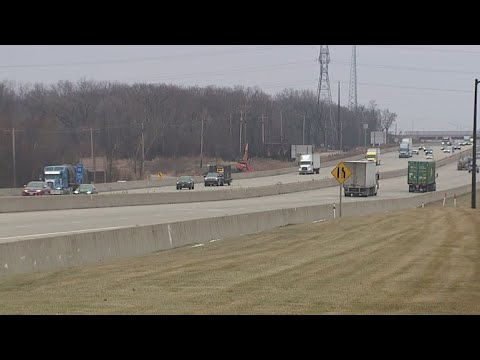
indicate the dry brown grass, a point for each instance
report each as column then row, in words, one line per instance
column 123, row 169
column 419, row 261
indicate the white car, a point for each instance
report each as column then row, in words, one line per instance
column 447, row 150
column 429, row 156
column 414, row 151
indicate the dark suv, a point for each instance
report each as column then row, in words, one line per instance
column 185, row 182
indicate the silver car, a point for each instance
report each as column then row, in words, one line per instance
column 86, row 189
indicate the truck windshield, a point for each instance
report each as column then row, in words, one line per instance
column 305, row 162
column 52, row 177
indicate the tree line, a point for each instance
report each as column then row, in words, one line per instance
column 58, row 123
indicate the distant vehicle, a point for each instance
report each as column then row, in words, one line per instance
column 36, row 188
column 470, row 166
column 213, row 179
column 429, row 157
column 429, row 151
column 421, row 176
column 464, row 163
column 405, row 150
column 185, row 182
column 62, row 178
column 223, row 170
column 86, row 189
column 309, row 164
column 415, row 151
column 448, row 150
column 422, row 148
column 364, row 179
column 373, row 154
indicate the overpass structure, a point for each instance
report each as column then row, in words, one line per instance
column 437, row 135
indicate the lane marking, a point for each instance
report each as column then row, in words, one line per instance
column 197, row 245
column 64, row 232
column 170, row 234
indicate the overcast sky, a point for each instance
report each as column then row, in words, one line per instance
column 429, row 87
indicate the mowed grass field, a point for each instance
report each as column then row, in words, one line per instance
column 418, row 261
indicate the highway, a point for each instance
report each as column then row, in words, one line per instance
column 388, row 161
column 30, row 225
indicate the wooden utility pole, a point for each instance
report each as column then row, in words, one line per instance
column 339, row 120
column 303, row 130
column 14, row 162
column 201, row 144
column 263, row 127
column 143, row 155
column 93, row 158
column 241, row 123
column 281, row 127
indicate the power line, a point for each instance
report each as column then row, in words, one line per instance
column 425, row 49
column 144, row 59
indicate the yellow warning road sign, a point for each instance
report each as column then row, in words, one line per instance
column 341, row 172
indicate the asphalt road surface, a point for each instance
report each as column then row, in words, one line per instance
column 27, row 225
column 388, row 161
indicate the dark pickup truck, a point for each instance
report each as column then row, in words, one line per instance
column 214, row 179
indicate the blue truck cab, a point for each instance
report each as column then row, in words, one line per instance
column 61, row 178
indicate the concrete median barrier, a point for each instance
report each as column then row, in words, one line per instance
column 54, row 252
column 21, row 204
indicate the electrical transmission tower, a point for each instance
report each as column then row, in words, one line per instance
column 324, row 101
column 352, row 95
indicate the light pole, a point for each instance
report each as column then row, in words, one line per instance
column 474, row 160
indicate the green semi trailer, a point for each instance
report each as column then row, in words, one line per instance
column 421, row 176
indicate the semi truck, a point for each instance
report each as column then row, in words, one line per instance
column 405, row 150
column 373, row 154
column 63, row 179
column 464, row 163
column 364, row 179
column 309, row 164
column 421, row 176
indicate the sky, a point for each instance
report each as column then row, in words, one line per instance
column 429, row 87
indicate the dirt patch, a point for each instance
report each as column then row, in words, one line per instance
column 418, row 261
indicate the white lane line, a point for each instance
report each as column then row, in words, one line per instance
column 197, row 245
column 63, row 232
column 23, row 226
column 215, row 240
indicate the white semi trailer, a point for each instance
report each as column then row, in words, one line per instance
column 364, row 179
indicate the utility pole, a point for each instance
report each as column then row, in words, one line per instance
column 201, row 144
column 303, row 128
column 14, row 162
column 339, row 120
column 263, row 127
column 143, row 154
column 93, row 158
column 241, row 123
column 281, row 127
column 474, row 155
